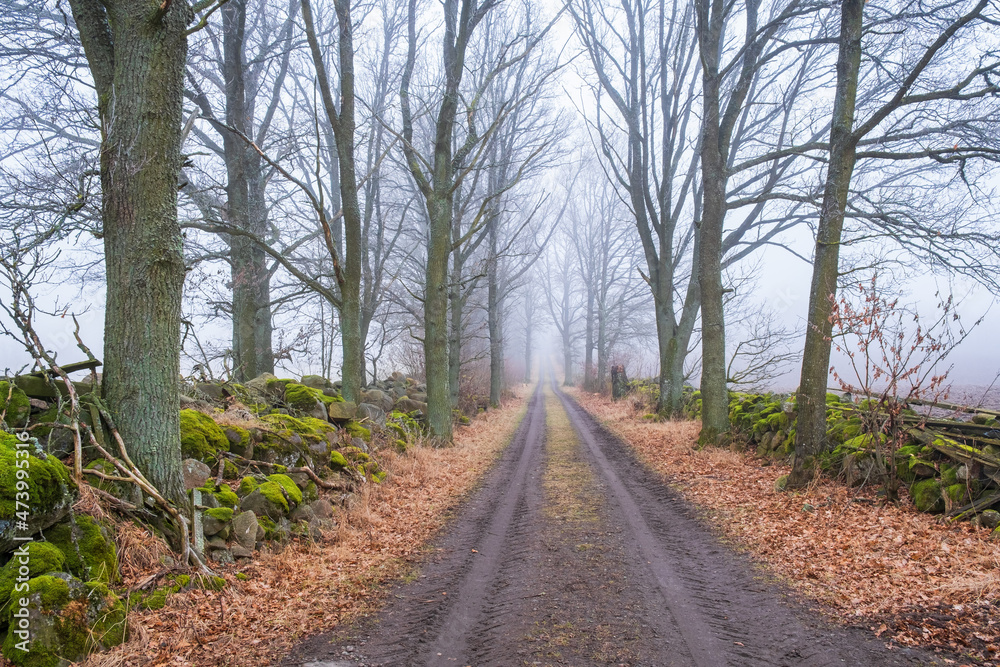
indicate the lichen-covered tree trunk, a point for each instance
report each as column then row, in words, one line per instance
column 436, row 318
column 810, row 430
column 247, row 263
column 493, row 319
column 456, row 305
column 137, row 51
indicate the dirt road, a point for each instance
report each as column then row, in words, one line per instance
column 572, row 553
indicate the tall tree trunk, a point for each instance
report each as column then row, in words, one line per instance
column 602, row 348
column 529, row 314
column 493, row 317
column 436, row 317
column 241, row 255
column 343, row 124
column 137, row 52
column 810, row 430
column 588, row 356
column 714, row 394
column 456, row 310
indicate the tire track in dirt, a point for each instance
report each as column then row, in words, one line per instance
column 573, row 553
column 726, row 612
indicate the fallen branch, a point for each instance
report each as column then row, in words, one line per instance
column 303, row 469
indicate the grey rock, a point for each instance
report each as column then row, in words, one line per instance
column 213, row 526
column 303, row 513
column 195, row 473
column 224, row 556
column 213, row 390
column 379, row 398
column 373, row 413
column 301, row 479
column 316, row 382
column 245, row 528
column 322, row 509
column 208, row 500
column 239, row 551
column 989, row 519
column 215, row 542
column 360, row 444
column 342, row 410
column 407, row 404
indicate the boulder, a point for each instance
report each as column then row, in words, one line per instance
column 408, row 405
column 240, row 551
column 201, row 437
column 91, row 553
column 260, row 384
column 14, row 404
column 316, row 382
column 195, row 473
column 212, row 390
column 303, row 513
column 372, row 413
column 244, row 529
column 216, row 521
column 342, row 410
column 379, row 398
column 322, row 509
column 39, row 557
column 275, row 498
column 67, row 619
column 989, row 519
column 50, row 491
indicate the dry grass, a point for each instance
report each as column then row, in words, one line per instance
column 903, row 573
column 306, row 588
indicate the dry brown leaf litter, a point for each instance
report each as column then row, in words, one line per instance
column 906, row 575
column 309, row 588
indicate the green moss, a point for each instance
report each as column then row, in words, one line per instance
column 302, row 398
column 356, row 455
column 226, row 497
column 247, row 486
column 222, row 514
column 210, row 582
column 356, row 430
column 271, row 531
column 290, row 487
column 201, row 437
column 958, row 494
column 949, row 475
column 49, row 485
column 182, row 580
column 90, row 554
column 41, row 558
column 275, row 493
column 337, row 460
column 109, row 625
column 14, row 404
column 926, row 495
column 241, row 576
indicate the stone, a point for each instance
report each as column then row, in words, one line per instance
column 301, row 479
column 303, row 513
column 379, row 398
column 51, row 492
column 215, row 542
column 94, row 619
column 212, row 390
column 269, row 501
column 342, row 410
column 14, row 404
column 419, row 396
column 195, row 473
column 245, row 528
column 372, row 413
column 224, row 556
column 322, row 509
column 240, row 551
column 216, row 526
column 407, row 404
column 360, row 444
column 316, row 382
column 91, row 553
column 989, row 519
column 258, row 385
